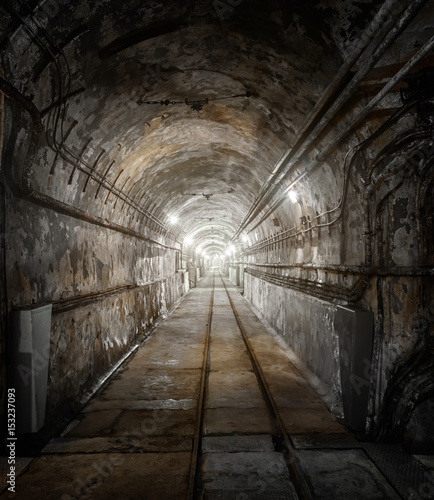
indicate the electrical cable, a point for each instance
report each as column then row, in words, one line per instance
column 60, row 113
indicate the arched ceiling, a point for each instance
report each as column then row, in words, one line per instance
column 261, row 66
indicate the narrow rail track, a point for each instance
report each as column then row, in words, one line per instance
column 211, row 408
column 195, row 456
column 280, row 437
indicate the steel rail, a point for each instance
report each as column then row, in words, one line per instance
column 295, row 470
column 193, row 486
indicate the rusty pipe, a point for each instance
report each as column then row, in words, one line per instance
column 294, row 155
column 323, row 155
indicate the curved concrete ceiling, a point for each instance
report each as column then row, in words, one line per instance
column 261, row 66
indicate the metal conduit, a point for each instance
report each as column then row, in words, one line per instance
column 319, row 109
column 407, row 271
column 323, row 155
column 26, row 191
column 324, row 117
column 387, row 9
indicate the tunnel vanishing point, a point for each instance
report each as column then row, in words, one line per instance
column 287, row 144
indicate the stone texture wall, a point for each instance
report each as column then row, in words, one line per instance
column 305, row 323
column 107, row 291
column 89, row 338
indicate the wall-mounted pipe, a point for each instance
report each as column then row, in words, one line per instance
column 26, row 190
column 398, row 23
column 357, row 121
column 400, row 113
column 61, row 148
column 407, row 271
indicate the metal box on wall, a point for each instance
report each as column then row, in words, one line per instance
column 30, row 352
column 355, row 329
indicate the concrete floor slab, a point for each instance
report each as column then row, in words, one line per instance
column 142, row 404
column 224, row 334
column 164, row 383
column 123, row 444
column 237, row 443
column 283, row 385
column 344, row 474
column 310, row 420
column 144, row 424
column 233, row 389
column 226, row 358
column 321, row 440
column 298, row 401
column 105, row 477
column 161, row 356
column 252, row 473
column 237, row 421
column 99, row 423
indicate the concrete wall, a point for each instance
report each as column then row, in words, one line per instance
column 89, row 338
column 234, row 274
column 107, row 290
column 333, row 342
column 305, row 323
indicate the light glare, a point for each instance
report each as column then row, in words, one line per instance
column 293, row 196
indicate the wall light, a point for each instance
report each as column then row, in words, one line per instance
column 293, row 196
column 173, row 219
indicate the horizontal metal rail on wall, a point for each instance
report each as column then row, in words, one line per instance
column 63, row 305
column 405, row 271
column 324, row 291
column 26, row 190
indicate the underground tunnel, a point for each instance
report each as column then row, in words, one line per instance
column 217, row 249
